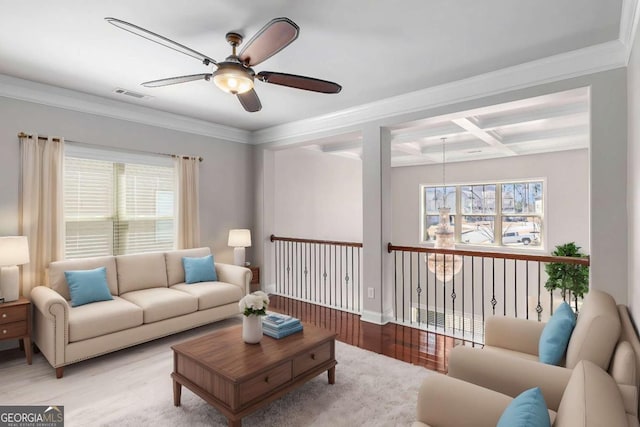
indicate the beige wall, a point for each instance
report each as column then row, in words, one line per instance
column 226, row 174
column 567, row 192
column 633, row 191
column 317, row 195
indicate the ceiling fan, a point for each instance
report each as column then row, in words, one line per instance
column 235, row 74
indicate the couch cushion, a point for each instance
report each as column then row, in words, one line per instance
column 511, row 353
column 591, row 399
column 173, row 259
column 201, row 269
column 211, row 294
column 623, row 364
column 528, row 409
column 162, row 303
column 101, row 318
column 87, row 286
column 141, row 271
column 58, row 282
column 555, row 335
column 596, row 332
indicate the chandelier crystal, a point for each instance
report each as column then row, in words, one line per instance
column 444, row 266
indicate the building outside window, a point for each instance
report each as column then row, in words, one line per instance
column 489, row 214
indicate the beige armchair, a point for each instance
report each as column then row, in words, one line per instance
column 509, row 364
column 591, row 398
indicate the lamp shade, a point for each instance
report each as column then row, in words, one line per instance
column 14, row 250
column 239, row 238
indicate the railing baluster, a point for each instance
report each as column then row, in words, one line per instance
column 324, row 272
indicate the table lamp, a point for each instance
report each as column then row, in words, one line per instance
column 14, row 251
column 238, row 240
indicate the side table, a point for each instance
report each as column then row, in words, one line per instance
column 15, row 323
column 255, row 280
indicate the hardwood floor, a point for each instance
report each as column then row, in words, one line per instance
column 410, row 345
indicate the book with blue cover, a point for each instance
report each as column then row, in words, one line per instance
column 278, row 325
column 279, row 321
column 277, row 334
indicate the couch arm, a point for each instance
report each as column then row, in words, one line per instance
column 513, row 334
column 508, row 374
column 235, row 275
column 51, row 324
column 445, row 401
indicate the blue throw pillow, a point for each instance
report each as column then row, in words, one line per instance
column 555, row 335
column 199, row 269
column 86, row 286
column 528, row 409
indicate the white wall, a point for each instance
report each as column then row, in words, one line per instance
column 567, row 192
column 633, row 166
column 226, row 174
column 317, row 196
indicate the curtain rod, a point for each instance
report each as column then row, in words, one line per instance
column 25, row 135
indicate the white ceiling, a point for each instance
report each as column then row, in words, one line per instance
column 543, row 124
column 374, row 49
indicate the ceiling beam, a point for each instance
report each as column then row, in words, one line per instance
column 571, row 132
column 341, row 146
column 519, row 118
column 444, row 130
column 469, row 124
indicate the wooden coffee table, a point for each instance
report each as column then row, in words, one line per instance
column 239, row 378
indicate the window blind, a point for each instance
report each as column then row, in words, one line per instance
column 112, row 207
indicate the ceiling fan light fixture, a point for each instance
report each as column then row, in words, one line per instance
column 233, row 80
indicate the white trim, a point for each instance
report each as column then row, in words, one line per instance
column 629, row 25
column 26, row 90
column 602, row 57
column 376, row 317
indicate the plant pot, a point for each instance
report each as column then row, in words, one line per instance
column 252, row 329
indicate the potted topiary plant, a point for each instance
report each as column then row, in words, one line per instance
column 573, row 278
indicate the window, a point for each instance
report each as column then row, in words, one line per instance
column 495, row 214
column 117, row 203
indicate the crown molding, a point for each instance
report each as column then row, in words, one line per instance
column 26, row 90
column 629, row 24
column 602, row 57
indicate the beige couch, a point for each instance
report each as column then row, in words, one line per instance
column 509, row 364
column 150, row 300
column 591, row 399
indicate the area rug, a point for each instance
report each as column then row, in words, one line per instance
column 133, row 388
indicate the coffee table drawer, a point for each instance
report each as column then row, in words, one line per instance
column 312, row 358
column 265, row 382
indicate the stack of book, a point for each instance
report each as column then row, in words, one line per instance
column 278, row 325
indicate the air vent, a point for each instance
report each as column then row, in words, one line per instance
column 125, row 92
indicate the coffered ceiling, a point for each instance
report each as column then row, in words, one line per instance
column 543, row 124
column 374, row 49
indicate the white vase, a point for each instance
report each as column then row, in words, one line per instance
column 252, row 329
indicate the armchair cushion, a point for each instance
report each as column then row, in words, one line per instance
column 528, row 409
column 555, row 335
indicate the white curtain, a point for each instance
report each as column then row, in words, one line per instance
column 187, row 206
column 41, row 212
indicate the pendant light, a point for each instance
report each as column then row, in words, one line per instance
column 444, row 266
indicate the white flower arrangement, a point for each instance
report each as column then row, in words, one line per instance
column 255, row 303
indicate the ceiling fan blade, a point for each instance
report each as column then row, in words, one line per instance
column 299, row 82
column 157, row 38
column 271, row 39
column 175, row 80
column 250, row 101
